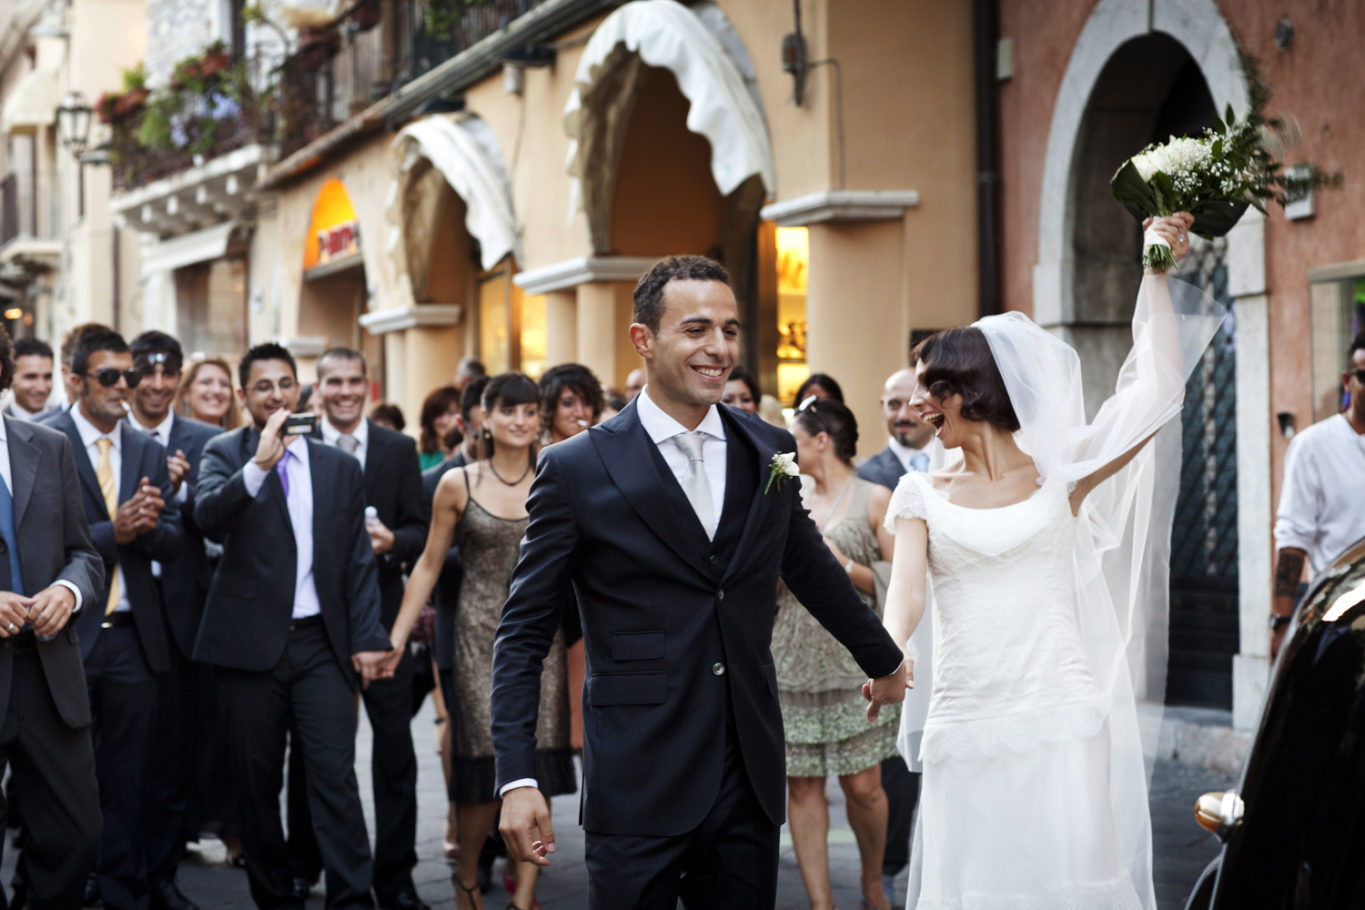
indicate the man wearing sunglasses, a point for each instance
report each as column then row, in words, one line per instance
column 125, row 486
column 1322, row 501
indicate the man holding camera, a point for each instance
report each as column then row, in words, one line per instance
column 292, row 624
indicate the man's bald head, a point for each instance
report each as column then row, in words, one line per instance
column 902, row 422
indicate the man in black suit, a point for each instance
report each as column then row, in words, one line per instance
column 125, row 486
column 49, row 569
column 292, row 624
column 184, row 582
column 672, row 529
column 909, row 447
column 393, row 487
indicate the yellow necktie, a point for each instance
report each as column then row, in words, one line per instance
column 104, row 473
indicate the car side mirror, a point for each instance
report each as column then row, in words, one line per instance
column 1219, row 812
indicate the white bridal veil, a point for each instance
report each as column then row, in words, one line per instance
column 1123, row 548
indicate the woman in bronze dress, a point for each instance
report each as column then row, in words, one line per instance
column 483, row 505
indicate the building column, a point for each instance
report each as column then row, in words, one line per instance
column 561, row 326
column 853, row 316
column 604, row 316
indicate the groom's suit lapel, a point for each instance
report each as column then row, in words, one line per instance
column 644, row 479
column 739, row 432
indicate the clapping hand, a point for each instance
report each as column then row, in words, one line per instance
column 178, row 466
column 139, row 513
column 13, row 613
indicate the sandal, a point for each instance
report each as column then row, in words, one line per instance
column 472, row 892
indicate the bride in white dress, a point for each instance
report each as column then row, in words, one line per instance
column 1047, row 548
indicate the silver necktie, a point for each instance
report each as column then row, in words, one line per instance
column 695, row 483
column 348, row 443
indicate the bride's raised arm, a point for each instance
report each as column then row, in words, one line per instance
column 1168, row 339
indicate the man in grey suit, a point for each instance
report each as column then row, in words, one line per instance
column 909, row 448
column 32, row 384
column 48, row 570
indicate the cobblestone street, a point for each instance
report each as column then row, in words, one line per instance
column 1182, row 848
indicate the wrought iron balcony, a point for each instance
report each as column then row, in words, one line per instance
column 370, row 51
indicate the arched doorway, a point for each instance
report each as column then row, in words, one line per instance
column 670, row 154
column 1149, row 89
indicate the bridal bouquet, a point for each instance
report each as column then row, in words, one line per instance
column 1214, row 177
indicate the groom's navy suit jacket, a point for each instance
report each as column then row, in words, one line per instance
column 677, row 627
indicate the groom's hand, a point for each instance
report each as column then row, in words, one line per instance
column 525, row 826
column 884, row 690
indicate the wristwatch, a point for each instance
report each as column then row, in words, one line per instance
column 1278, row 621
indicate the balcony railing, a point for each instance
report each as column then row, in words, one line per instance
column 340, row 70
column 187, row 124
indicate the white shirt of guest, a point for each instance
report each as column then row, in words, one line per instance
column 663, row 429
column 906, row 455
column 90, row 437
column 331, row 434
column 1322, row 503
column 7, row 475
column 300, row 500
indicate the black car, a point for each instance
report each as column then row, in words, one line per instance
column 1294, row 830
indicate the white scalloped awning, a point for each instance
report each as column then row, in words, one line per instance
column 304, row 13
column 722, row 108
column 33, row 102
column 465, row 153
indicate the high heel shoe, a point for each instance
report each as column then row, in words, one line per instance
column 510, row 884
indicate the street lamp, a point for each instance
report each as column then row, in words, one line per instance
column 73, row 122
column 73, row 130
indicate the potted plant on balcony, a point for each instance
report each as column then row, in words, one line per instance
column 194, row 72
column 366, row 14
column 113, row 106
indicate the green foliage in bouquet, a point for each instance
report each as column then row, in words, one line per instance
column 1214, row 177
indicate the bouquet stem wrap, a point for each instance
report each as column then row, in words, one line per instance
column 1156, row 252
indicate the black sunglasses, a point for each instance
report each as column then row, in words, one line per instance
column 108, row 377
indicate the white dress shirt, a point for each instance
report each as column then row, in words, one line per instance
column 361, row 433
column 90, row 436
column 7, row 475
column 662, row 430
column 1322, row 503
column 300, row 501
column 934, row 452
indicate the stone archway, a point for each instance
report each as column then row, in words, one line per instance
column 1084, row 270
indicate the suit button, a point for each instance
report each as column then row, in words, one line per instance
column 713, row 559
column 720, row 595
column 718, row 669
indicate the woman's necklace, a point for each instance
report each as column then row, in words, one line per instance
column 511, row 483
column 823, row 523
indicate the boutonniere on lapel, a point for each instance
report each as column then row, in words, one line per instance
column 780, row 468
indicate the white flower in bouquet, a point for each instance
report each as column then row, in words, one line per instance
column 1214, row 177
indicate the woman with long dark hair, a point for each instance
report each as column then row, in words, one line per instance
column 482, row 506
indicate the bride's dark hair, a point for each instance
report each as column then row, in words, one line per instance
column 959, row 361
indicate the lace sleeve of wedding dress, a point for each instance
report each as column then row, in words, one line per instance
column 907, row 501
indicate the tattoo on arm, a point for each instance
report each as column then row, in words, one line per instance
column 1288, row 571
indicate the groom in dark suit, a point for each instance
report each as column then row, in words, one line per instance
column 665, row 524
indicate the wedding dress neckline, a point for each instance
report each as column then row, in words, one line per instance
column 943, row 494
